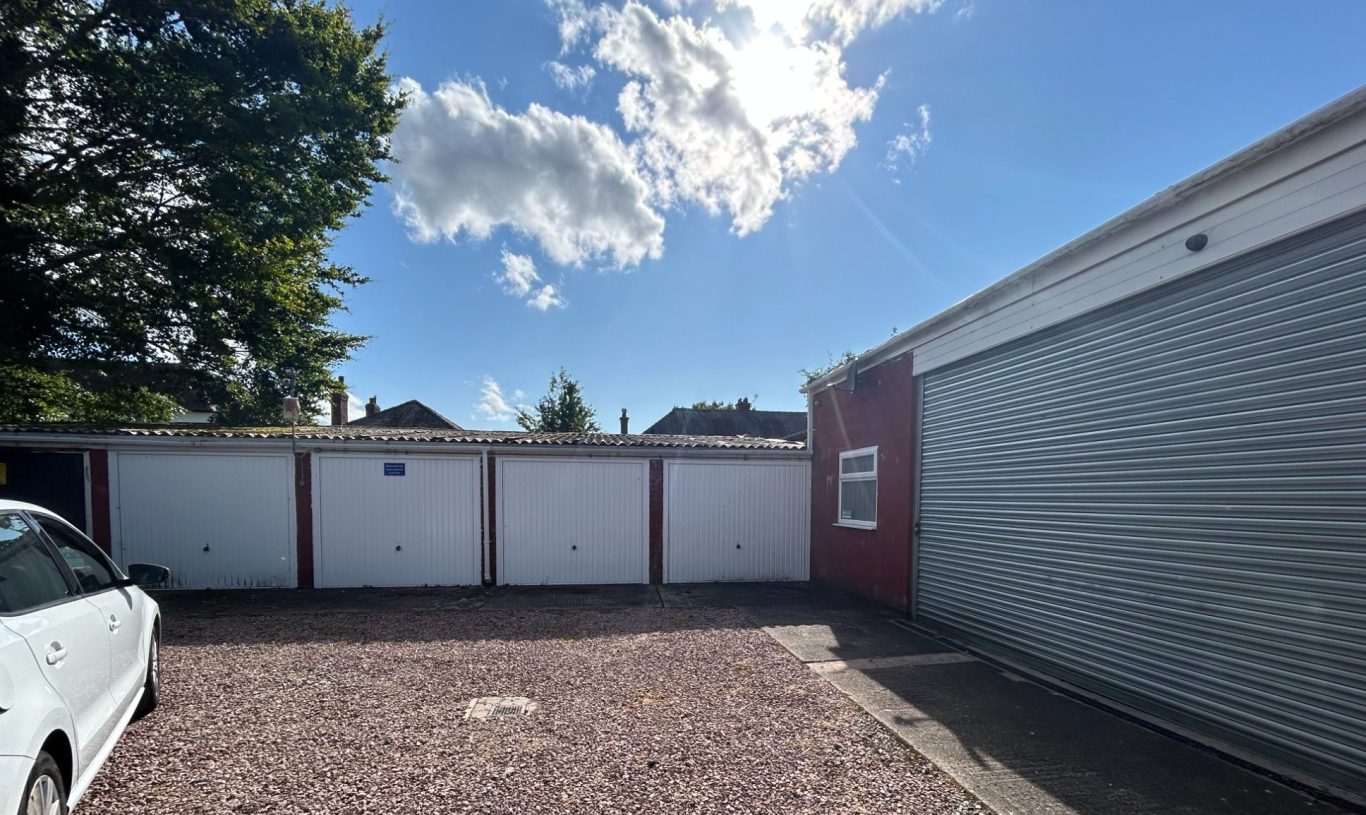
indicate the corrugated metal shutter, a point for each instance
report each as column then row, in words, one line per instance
column 566, row 522
column 398, row 521
column 1165, row 502
column 216, row 521
column 737, row 521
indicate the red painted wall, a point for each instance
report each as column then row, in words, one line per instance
column 880, row 412
column 303, row 517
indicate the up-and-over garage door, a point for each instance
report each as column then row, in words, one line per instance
column 572, row 521
column 398, row 520
column 216, row 520
column 1165, row 502
column 736, row 520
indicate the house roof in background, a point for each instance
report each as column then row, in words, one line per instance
column 346, row 433
column 410, row 414
column 763, row 424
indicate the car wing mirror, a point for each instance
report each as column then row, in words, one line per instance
column 147, row 574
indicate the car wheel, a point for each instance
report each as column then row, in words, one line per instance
column 151, row 689
column 46, row 791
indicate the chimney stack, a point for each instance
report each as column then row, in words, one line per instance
column 339, row 403
column 372, row 407
column 742, row 403
column 624, row 420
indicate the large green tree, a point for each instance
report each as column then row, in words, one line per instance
column 170, row 177
column 561, row 410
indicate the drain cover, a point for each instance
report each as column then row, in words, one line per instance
column 490, row 707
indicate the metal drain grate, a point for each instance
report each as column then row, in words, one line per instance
column 497, row 707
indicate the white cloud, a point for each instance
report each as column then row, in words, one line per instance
column 730, row 127
column 838, row 20
column 546, row 298
column 467, row 166
column 573, row 78
column 906, row 148
column 519, row 278
column 493, row 405
column 519, row 274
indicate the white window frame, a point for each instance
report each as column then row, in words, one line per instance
column 869, row 476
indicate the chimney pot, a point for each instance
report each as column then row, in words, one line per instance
column 339, row 403
column 742, row 403
column 624, row 420
column 372, row 407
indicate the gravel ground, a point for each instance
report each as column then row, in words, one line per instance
column 641, row 710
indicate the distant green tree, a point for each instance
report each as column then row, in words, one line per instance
column 713, row 405
column 171, row 175
column 561, row 410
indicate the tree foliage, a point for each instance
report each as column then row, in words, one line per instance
column 170, row 177
column 561, row 410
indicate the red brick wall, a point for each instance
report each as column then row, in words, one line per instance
column 656, row 521
column 881, row 411
column 303, row 518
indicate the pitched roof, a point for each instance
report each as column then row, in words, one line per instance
column 410, row 414
column 473, row 437
column 763, row 424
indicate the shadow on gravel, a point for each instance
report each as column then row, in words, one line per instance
column 264, row 617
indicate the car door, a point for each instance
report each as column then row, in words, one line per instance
column 98, row 579
column 66, row 634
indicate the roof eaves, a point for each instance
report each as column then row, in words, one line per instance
column 1348, row 105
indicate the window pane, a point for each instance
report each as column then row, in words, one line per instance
column 857, row 464
column 858, row 501
column 92, row 571
column 29, row 576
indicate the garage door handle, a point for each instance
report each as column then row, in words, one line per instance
column 398, row 548
column 574, row 548
column 56, row 655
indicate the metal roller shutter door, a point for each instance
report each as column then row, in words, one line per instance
column 572, row 522
column 398, row 521
column 1165, row 502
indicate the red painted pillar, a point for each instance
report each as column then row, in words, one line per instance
column 492, row 486
column 656, row 521
column 99, row 501
column 303, row 517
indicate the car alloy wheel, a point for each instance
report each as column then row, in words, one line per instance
column 44, row 797
column 156, row 663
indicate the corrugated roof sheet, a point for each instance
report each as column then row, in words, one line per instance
column 351, row 432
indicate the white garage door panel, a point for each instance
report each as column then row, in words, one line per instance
column 420, row 528
column 216, row 521
column 572, row 522
column 737, row 521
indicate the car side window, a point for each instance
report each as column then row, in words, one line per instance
column 29, row 574
column 93, row 571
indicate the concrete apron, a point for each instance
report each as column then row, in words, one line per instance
column 1016, row 745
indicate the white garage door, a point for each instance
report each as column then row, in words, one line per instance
column 397, row 521
column 572, row 522
column 216, row 521
column 737, row 521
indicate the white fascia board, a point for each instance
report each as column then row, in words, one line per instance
column 1334, row 130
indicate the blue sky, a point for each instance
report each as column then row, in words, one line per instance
column 779, row 182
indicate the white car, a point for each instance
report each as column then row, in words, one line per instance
column 79, row 658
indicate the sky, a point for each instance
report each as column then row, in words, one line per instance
column 687, row 200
